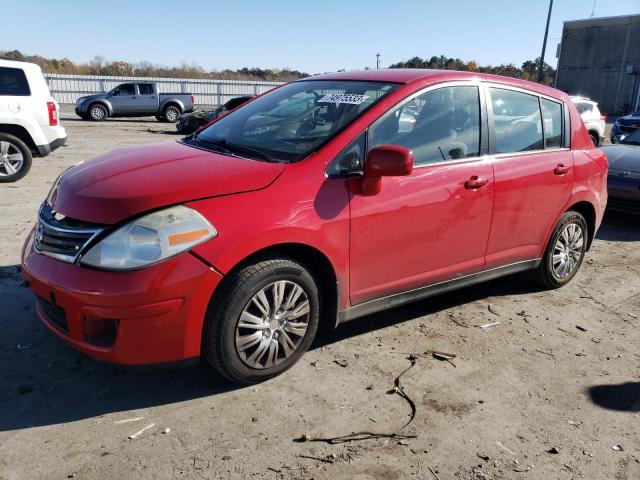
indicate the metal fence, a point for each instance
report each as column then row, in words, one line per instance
column 67, row 88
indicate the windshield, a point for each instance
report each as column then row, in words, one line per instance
column 292, row 121
column 633, row 139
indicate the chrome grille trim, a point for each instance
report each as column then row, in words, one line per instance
column 65, row 243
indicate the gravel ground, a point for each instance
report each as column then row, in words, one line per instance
column 548, row 393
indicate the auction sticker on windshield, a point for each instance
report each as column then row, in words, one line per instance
column 343, row 98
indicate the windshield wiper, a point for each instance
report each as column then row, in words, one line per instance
column 237, row 150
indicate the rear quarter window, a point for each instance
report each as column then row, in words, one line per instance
column 13, row 82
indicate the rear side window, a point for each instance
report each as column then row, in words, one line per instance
column 145, row 89
column 517, row 122
column 584, row 107
column 437, row 126
column 552, row 119
column 13, row 82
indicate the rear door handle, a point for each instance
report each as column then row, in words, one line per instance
column 476, row 182
column 561, row 169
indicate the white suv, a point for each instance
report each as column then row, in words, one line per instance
column 591, row 117
column 29, row 121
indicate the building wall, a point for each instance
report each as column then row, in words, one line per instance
column 593, row 58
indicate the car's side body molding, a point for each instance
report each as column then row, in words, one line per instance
column 392, row 301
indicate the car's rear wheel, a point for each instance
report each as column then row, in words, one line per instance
column 171, row 114
column 15, row 158
column 98, row 112
column 595, row 138
column 262, row 321
column 565, row 251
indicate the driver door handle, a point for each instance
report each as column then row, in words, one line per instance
column 561, row 169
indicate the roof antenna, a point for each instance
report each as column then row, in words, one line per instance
column 593, row 11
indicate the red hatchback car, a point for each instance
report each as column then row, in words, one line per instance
column 324, row 200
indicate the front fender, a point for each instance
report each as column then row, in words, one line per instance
column 84, row 107
column 287, row 212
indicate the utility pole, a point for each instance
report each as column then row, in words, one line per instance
column 544, row 44
column 378, row 61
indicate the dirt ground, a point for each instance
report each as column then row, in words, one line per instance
column 551, row 392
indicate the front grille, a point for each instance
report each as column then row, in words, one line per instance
column 54, row 314
column 628, row 128
column 61, row 237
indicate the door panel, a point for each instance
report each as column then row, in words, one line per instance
column 529, row 195
column 123, row 99
column 533, row 173
column 420, row 229
column 147, row 101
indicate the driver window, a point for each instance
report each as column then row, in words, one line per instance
column 126, row 89
column 439, row 125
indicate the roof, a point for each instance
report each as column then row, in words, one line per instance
column 408, row 75
column 21, row 65
column 618, row 19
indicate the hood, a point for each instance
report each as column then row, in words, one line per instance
column 627, row 119
column 623, row 157
column 122, row 183
column 89, row 97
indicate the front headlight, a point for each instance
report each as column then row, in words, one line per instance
column 150, row 239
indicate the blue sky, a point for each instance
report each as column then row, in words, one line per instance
column 318, row 36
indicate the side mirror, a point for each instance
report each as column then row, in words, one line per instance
column 385, row 161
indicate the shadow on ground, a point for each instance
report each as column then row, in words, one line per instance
column 45, row 382
column 624, row 397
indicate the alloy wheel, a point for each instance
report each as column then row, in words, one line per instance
column 97, row 113
column 11, row 159
column 272, row 324
column 568, row 250
column 171, row 115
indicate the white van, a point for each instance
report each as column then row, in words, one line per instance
column 29, row 121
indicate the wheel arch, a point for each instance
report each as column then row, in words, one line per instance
column 102, row 103
column 172, row 103
column 314, row 260
column 588, row 211
column 21, row 133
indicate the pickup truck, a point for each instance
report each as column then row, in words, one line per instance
column 140, row 99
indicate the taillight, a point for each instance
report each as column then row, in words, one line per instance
column 193, row 99
column 603, row 117
column 53, row 114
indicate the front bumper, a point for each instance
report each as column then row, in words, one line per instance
column 148, row 316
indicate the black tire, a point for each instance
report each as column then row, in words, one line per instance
column 171, row 114
column 595, row 138
column 223, row 316
column 546, row 274
column 10, row 146
column 98, row 112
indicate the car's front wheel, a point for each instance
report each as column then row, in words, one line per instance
column 98, row 112
column 565, row 251
column 262, row 321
